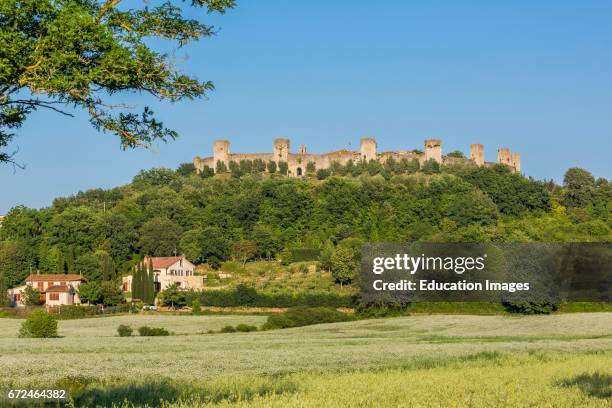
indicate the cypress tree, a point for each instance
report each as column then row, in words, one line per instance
column 146, row 292
column 108, row 265
column 4, row 299
column 142, row 282
column 60, row 263
column 69, row 261
column 151, row 282
column 137, row 283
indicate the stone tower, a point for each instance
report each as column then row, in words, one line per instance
column 503, row 156
column 516, row 162
column 368, row 148
column 433, row 150
column 281, row 150
column 221, row 152
column 477, row 154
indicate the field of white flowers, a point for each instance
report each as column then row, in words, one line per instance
column 558, row 360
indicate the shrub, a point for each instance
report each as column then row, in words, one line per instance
column 39, row 324
column 530, row 307
column 123, row 308
column 228, row 329
column 305, row 254
column 285, row 257
column 196, row 307
column 373, row 311
column 245, row 295
column 322, row 174
column 231, row 266
column 245, row 328
column 66, row 312
column 304, row 316
column 248, row 296
column 173, row 297
column 153, row 331
column 124, row 331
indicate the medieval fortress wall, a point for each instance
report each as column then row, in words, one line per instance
column 297, row 162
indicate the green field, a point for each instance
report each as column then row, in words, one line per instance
column 557, row 360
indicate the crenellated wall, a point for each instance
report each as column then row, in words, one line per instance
column 298, row 162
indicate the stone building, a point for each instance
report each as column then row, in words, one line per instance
column 169, row 270
column 55, row 290
column 298, row 162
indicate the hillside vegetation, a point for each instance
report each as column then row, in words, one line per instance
column 250, row 215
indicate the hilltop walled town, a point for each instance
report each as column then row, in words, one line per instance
column 297, row 162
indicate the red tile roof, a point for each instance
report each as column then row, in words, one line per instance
column 56, row 277
column 162, row 262
column 59, row 289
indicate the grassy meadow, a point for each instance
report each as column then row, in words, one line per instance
column 441, row 360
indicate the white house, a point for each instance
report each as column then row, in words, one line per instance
column 170, row 270
column 55, row 290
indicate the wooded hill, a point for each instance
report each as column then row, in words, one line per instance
column 247, row 215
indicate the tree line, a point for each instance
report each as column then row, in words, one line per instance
column 106, row 233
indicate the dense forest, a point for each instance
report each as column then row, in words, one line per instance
column 248, row 213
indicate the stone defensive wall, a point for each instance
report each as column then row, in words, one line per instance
column 297, row 162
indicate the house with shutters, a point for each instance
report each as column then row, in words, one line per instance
column 170, row 270
column 55, row 290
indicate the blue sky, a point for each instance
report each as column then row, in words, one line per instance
column 532, row 76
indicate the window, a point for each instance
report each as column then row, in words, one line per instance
column 17, row 297
column 53, row 296
column 40, row 285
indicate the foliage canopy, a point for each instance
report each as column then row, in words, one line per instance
column 88, row 54
column 256, row 216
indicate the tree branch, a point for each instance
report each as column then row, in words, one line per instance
column 108, row 6
column 8, row 158
column 42, row 104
